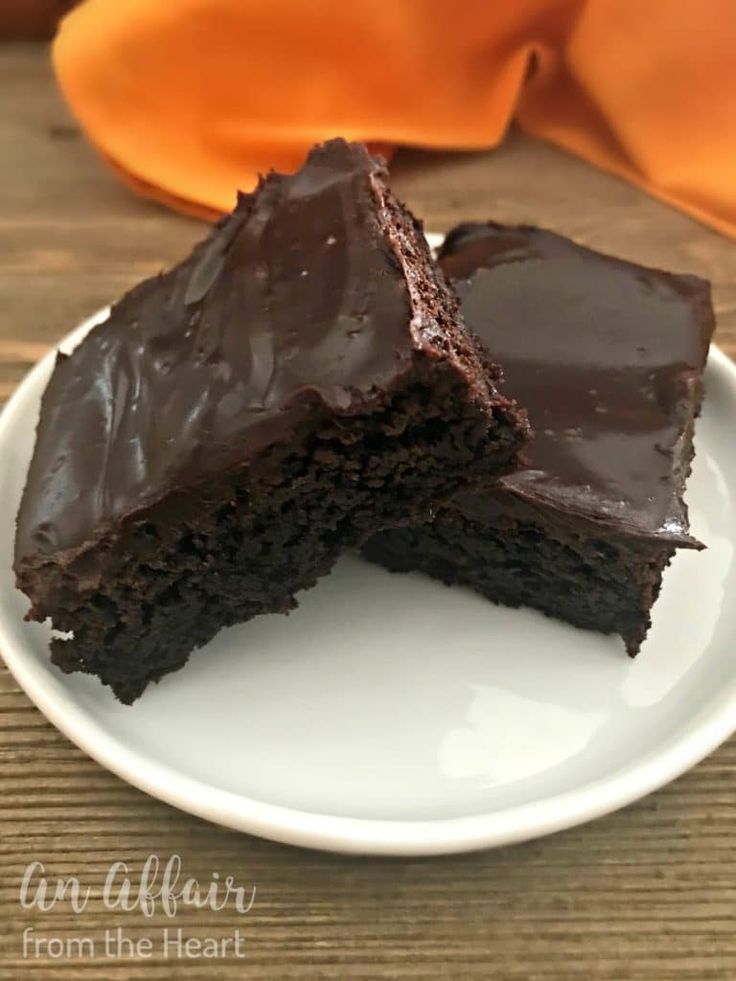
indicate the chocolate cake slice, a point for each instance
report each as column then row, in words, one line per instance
column 608, row 358
column 301, row 380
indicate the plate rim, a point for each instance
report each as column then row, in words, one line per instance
column 339, row 833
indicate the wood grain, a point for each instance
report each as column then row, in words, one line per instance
column 647, row 893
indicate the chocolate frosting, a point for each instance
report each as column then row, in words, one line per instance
column 607, row 358
column 298, row 297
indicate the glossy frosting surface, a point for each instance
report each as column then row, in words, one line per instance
column 298, row 297
column 607, row 358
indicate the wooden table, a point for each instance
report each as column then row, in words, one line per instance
column 648, row 893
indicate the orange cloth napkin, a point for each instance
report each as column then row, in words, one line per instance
column 190, row 99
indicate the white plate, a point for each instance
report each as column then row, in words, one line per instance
column 392, row 715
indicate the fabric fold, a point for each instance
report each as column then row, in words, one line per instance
column 190, row 101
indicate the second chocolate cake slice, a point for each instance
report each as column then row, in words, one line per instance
column 608, row 358
column 301, row 380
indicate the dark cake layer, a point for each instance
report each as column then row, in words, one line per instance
column 569, row 569
column 300, row 381
column 607, row 357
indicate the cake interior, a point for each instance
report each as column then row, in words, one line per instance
column 596, row 582
column 245, row 542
